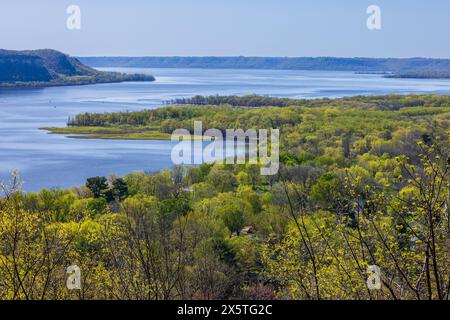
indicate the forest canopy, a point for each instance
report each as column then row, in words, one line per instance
column 364, row 182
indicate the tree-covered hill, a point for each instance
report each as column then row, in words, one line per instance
column 50, row 68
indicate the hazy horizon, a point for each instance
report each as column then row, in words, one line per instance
column 242, row 56
column 224, row 56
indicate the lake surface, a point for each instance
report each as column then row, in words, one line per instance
column 55, row 161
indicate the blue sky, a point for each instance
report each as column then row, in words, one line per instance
column 410, row 28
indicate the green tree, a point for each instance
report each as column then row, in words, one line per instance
column 118, row 192
column 233, row 212
column 97, row 185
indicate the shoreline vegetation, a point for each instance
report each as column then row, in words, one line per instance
column 363, row 184
column 421, row 68
column 78, row 81
column 100, row 78
column 50, row 68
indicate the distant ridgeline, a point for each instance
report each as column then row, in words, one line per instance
column 41, row 68
column 412, row 67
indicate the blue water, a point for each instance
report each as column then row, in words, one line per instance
column 52, row 161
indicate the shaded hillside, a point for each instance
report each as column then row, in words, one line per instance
column 51, row 68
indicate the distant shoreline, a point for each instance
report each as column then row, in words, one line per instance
column 421, row 68
column 41, row 85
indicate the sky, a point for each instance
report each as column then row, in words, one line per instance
column 409, row 28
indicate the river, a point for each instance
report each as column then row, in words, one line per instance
column 55, row 161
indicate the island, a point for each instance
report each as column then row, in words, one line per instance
column 49, row 68
column 224, row 112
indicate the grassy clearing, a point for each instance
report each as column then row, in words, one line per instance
column 117, row 133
